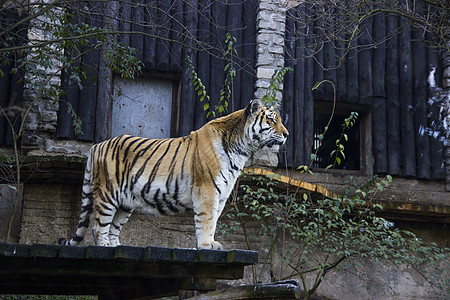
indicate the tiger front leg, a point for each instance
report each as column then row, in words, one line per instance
column 206, row 210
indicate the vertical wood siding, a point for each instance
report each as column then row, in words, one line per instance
column 11, row 85
column 206, row 21
column 390, row 79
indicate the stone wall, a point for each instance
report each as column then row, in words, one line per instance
column 41, row 119
column 51, row 210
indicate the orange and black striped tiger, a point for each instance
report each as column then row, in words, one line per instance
column 168, row 176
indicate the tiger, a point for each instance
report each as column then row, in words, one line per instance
column 167, row 176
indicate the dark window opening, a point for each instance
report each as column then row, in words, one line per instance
column 326, row 155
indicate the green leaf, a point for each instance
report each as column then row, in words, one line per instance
column 316, row 85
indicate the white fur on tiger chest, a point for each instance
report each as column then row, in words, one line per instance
column 231, row 165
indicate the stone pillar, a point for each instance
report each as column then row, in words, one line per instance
column 445, row 115
column 41, row 118
column 270, row 28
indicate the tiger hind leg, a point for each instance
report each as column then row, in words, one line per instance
column 104, row 215
column 86, row 211
column 120, row 218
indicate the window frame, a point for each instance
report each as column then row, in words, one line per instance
column 365, row 145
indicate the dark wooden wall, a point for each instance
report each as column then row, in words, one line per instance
column 83, row 101
column 390, row 80
column 11, row 84
column 191, row 28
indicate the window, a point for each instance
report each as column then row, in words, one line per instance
column 356, row 146
column 144, row 107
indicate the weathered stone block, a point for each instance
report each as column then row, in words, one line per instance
column 265, row 72
column 48, row 116
column 31, row 139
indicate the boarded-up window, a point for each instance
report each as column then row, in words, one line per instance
column 142, row 107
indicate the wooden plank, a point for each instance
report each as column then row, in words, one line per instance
column 329, row 61
column 436, row 146
column 379, row 55
column 88, row 94
column 379, row 102
column 124, row 24
column 188, row 99
column 234, row 27
column 248, row 53
column 137, row 17
column 105, row 88
column 420, row 105
column 365, row 63
column 162, row 45
column 203, row 66
column 177, row 21
column 318, row 74
column 11, row 85
column 352, row 74
column 393, row 99
column 308, row 108
column 290, row 181
column 70, row 87
column 341, row 71
column 218, row 18
column 408, row 145
column 290, row 92
column 149, row 52
column 297, row 115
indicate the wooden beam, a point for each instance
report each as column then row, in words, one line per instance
column 401, row 210
column 291, row 181
column 124, row 270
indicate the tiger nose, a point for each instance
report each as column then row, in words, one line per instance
column 285, row 134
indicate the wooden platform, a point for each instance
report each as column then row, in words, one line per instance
column 121, row 272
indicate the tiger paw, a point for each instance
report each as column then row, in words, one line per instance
column 211, row 245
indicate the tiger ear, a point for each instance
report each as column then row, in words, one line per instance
column 252, row 107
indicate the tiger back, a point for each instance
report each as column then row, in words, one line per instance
column 168, row 176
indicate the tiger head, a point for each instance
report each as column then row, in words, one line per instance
column 264, row 128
